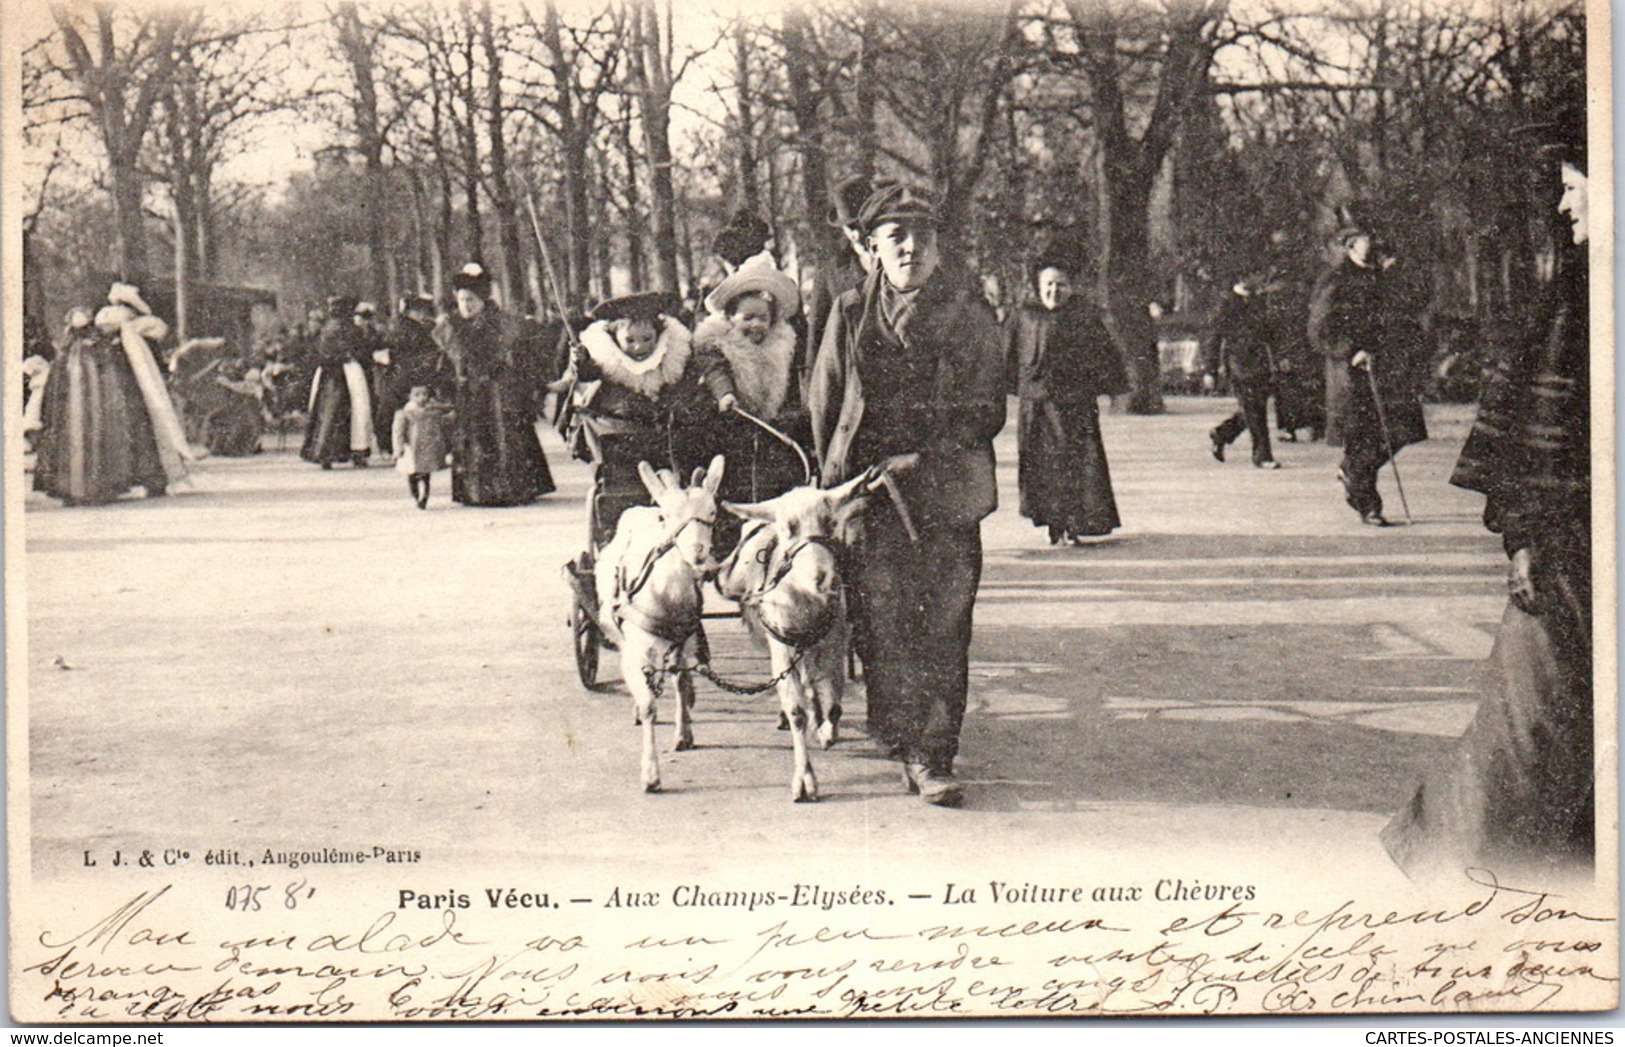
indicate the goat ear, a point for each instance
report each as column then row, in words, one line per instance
column 698, row 477
column 713, row 476
column 751, row 510
column 652, row 481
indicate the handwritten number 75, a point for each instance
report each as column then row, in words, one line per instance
column 248, row 897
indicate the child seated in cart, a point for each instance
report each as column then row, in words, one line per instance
column 746, row 350
column 636, row 398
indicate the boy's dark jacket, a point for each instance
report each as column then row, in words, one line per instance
column 958, row 417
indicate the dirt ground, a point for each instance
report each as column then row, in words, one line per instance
column 280, row 656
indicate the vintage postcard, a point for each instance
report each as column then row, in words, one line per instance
column 556, row 510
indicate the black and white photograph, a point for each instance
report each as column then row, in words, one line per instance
column 617, row 510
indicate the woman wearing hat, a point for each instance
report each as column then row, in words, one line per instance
column 496, row 457
column 1062, row 359
column 746, row 352
column 340, row 427
column 1517, row 792
column 109, row 424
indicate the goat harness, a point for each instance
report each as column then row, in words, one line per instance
column 798, row 639
column 672, row 629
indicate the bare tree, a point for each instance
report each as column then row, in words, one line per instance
column 652, row 78
column 580, row 64
column 502, row 197
column 359, row 43
column 119, row 63
column 226, row 76
column 1124, row 52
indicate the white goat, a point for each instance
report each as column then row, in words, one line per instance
column 786, row 575
column 648, row 581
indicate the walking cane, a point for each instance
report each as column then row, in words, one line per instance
column 1387, row 441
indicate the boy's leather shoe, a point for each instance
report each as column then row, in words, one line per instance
column 938, row 788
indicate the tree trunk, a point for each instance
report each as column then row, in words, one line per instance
column 444, row 262
column 422, row 261
column 603, row 260
column 750, row 188
column 654, row 90
column 468, row 135
column 804, row 107
column 867, row 89
column 358, row 52
column 502, row 197
column 636, row 256
column 106, row 80
column 575, row 142
column 183, row 275
column 208, row 231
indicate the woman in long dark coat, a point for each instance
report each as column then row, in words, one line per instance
column 1517, row 794
column 496, row 456
column 340, row 426
column 1062, row 360
column 109, row 425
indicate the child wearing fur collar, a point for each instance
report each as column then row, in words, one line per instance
column 633, row 360
column 636, row 393
column 745, row 351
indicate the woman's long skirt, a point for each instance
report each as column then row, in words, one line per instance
column 1064, row 481
column 328, row 434
column 97, row 441
column 496, row 456
column 1516, row 793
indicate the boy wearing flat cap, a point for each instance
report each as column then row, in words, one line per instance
column 910, row 376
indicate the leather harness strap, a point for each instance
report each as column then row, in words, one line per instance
column 671, row 629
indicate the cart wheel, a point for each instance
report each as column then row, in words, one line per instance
column 584, row 634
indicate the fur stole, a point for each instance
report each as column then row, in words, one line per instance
column 761, row 373
column 662, row 368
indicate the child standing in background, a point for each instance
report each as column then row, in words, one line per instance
column 419, row 438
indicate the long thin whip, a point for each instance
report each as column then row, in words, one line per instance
column 783, row 438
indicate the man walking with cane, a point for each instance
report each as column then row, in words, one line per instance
column 1378, row 416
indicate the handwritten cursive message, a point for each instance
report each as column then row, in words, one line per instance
column 509, row 953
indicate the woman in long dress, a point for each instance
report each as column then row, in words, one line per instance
column 340, row 426
column 1062, row 360
column 1516, row 794
column 109, row 425
column 496, row 456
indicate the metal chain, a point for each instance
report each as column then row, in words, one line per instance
column 652, row 677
